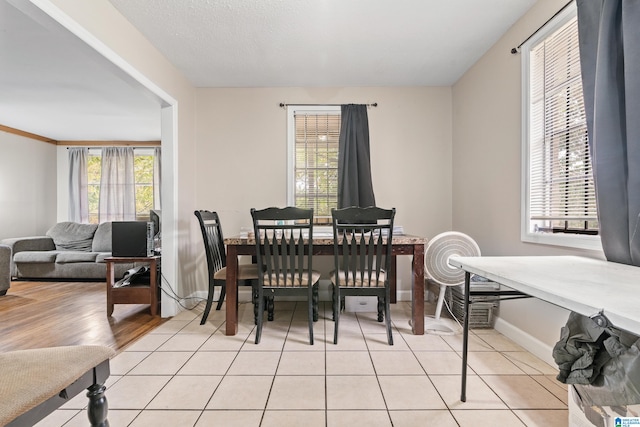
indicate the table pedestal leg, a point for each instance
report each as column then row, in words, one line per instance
column 232, row 291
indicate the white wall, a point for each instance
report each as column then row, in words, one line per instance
column 486, row 172
column 27, row 186
column 241, row 156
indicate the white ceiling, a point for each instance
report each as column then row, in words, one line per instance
column 54, row 85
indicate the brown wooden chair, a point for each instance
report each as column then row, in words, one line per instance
column 362, row 246
column 284, row 250
column 217, row 263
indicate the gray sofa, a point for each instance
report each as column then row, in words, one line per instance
column 5, row 266
column 68, row 251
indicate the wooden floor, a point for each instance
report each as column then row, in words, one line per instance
column 48, row 314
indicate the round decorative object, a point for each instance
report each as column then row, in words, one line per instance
column 440, row 249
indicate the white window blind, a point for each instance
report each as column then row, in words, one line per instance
column 315, row 180
column 561, row 189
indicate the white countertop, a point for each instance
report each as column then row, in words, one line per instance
column 584, row 285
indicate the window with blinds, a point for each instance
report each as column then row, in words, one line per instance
column 315, row 161
column 560, row 181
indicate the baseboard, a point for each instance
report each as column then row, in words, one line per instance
column 244, row 295
column 528, row 342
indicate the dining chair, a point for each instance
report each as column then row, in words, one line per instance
column 362, row 254
column 284, row 249
column 217, row 262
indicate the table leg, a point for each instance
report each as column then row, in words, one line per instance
column 417, row 290
column 110, row 281
column 232, row 291
column 393, row 279
column 465, row 336
column 153, row 287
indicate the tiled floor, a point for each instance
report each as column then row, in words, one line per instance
column 184, row 374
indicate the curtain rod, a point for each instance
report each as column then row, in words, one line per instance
column 283, row 105
column 515, row 50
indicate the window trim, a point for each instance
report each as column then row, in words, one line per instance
column 577, row 241
column 291, row 152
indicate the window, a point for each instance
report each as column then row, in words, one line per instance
column 313, row 159
column 143, row 172
column 560, row 204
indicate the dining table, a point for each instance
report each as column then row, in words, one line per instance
column 402, row 245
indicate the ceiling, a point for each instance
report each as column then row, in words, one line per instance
column 54, row 85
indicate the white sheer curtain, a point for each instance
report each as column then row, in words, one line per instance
column 78, row 193
column 117, row 185
column 157, row 177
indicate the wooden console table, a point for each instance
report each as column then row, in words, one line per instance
column 133, row 294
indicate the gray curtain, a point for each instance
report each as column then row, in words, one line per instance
column 355, row 187
column 117, row 185
column 610, row 57
column 78, row 184
column 157, row 178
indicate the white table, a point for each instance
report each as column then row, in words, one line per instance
column 583, row 285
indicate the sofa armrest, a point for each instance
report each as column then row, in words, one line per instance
column 21, row 244
column 35, row 243
column 5, row 268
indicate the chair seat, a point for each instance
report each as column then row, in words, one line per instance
column 279, row 281
column 245, row 272
column 360, row 281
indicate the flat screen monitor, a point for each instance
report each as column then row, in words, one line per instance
column 155, row 216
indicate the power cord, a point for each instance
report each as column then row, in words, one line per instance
column 177, row 298
column 446, row 303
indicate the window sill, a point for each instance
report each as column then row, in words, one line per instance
column 574, row 241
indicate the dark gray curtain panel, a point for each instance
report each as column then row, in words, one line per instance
column 609, row 38
column 355, row 187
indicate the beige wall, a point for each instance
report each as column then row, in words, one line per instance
column 241, row 153
column 487, row 167
column 27, row 186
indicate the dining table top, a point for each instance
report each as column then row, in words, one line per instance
column 327, row 239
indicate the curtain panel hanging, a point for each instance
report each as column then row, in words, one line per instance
column 355, row 187
column 157, row 177
column 117, row 185
column 610, row 60
column 78, row 185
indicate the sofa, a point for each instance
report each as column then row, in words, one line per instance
column 69, row 251
column 5, row 266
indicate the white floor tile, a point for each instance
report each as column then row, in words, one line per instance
column 185, row 374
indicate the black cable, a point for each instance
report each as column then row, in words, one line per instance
column 177, row 298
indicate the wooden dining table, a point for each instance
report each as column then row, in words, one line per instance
column 402, row 245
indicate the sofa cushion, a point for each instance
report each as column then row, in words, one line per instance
column 69, row 256
column 35, row 256
column 71, row 236
column 102, row 238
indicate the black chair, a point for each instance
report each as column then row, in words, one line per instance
column 217, row 262
column 284, row 250
column 362, row 246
